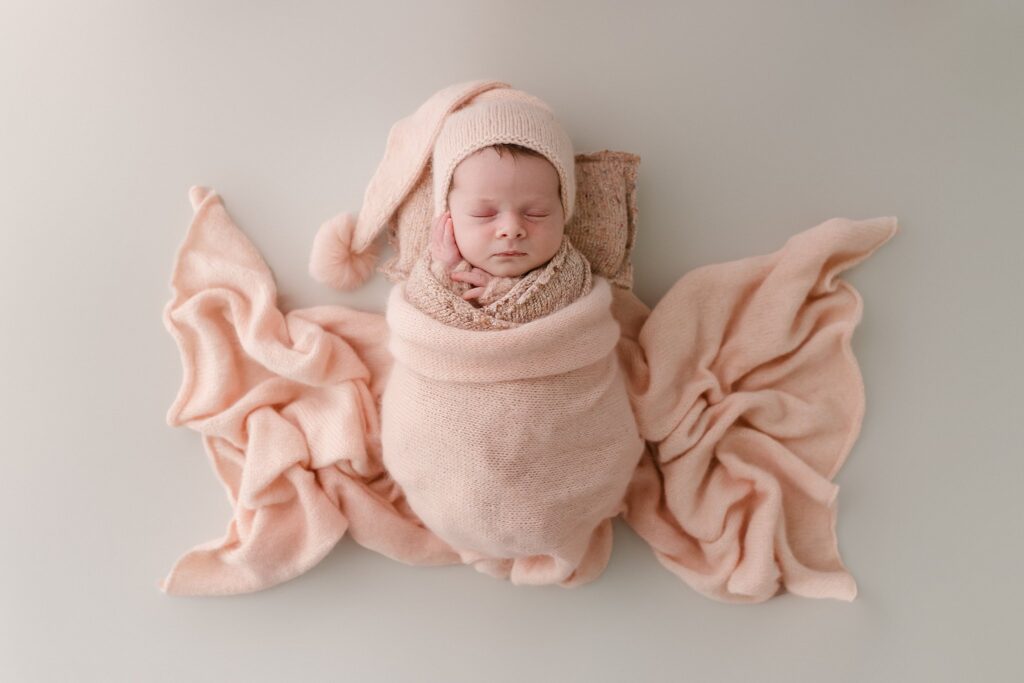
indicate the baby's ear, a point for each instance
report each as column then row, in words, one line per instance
column 332, row 260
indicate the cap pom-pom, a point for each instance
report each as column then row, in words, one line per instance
column 333, row 262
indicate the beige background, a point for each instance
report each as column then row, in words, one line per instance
column 754, row 120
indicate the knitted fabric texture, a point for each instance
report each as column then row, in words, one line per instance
column 474, row 429
column 502, row 115
column 741, row 380
column 453, row 122
column 495, row 288
column 507, row 302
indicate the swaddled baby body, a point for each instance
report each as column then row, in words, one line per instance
column 526, row 492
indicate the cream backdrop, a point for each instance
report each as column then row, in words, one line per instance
column 754, row 120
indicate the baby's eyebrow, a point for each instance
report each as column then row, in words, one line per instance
column 530, row 199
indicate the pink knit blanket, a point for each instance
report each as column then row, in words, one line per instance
column 713, row 423
column 476, row 432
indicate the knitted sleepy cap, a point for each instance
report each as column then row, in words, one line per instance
column 450, row 125
column 503, row 116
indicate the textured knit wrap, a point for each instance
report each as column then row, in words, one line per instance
column 510, row 442
column 507, row 302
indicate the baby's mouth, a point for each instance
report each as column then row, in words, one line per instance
column 511, row 253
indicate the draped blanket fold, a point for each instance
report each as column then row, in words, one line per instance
column 713, row 423
column 745, row 383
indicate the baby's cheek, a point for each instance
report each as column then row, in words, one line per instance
column 473, row 247
column 463, row 236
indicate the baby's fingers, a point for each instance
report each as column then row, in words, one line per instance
column 473, row 277
column 473, row 293
column 442, row 241
column 449, row 232
column 437, row 231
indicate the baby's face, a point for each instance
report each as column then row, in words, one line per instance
column 502, row 204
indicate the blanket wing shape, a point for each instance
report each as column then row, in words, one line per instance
column 288, row 409
column 744, row 383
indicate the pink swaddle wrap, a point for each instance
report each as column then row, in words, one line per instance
column 474, row 429
column 714, row 422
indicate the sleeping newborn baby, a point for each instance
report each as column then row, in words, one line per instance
column 499, row 256
column 505, row 199
column 516, row 417
column 505, row 419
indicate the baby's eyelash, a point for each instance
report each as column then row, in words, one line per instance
column 531, row 215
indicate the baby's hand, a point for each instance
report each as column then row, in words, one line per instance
column 476, row 277
column 443, row 248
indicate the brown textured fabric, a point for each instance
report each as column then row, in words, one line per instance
column 510, row 301
column 495, row 288
column 603, row 225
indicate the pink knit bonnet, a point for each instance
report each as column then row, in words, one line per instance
column 452, row 124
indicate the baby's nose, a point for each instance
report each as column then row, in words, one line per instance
column 512, row 228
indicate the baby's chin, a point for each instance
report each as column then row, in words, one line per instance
column 506, row 269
